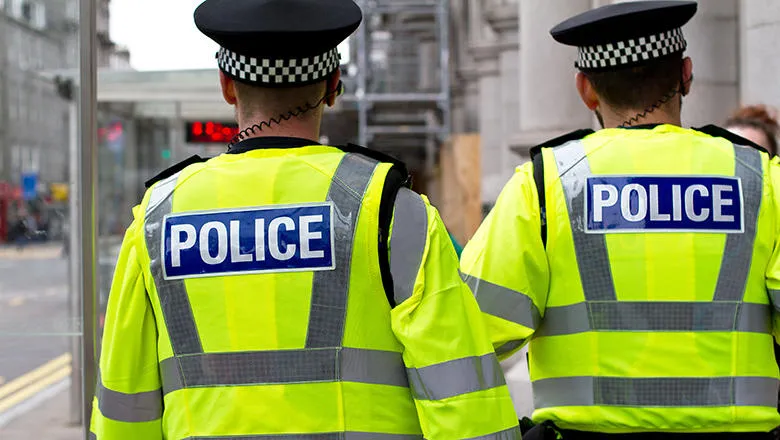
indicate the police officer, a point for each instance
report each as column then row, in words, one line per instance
column 642, row 261
column 261, row 294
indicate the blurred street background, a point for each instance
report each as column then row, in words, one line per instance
column 458, row 89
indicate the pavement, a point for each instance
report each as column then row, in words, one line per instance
column 47, row 421
column 36, row 332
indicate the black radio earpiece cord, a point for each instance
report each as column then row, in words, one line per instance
column 661, row 102
column 298, row 111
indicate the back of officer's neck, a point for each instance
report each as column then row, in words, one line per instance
column 633, row 117
column 308, row 128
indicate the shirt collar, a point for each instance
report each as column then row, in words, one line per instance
column 258, row 143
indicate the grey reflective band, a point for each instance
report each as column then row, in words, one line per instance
column 349, row 435
column 284, row 366
column 453, row 378
column 507, row 434
column 774, row 297
column 591, row 249
column 130, row 408
column 738, row 253
column 656, row 392
column 509, row 347
column 407, row 244
column 175, row 304
column 652, row 316
column 92, row 436
column 330, row 288
column 504, row 303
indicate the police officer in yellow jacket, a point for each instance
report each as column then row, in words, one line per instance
column 261, row 294
column 642, row 261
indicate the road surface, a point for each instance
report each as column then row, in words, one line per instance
column 35, row 321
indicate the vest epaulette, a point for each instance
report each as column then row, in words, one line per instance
column 174, row 169
column 715, row 131
column 560, row 140
column 376, row 155
column 538, row 163
column 398, row 177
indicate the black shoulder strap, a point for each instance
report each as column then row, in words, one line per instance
column 715, row 131
column 174, row 169
column 398, row 177
column 538, row 163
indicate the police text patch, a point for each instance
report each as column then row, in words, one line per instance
column 664, row 204
column 274, row 239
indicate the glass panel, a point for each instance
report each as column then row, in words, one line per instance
column 40, row 315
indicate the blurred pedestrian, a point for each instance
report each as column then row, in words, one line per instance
column 757, row 123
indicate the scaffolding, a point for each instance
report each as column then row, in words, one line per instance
column 403, row 80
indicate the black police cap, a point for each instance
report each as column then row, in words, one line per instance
column 626, row 34
column 278, row 43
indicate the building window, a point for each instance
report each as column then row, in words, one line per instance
column 31, row 12
column 27, row 11
column 38, row 18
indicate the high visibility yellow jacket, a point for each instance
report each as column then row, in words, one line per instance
column 653, row 305
column 248, row 301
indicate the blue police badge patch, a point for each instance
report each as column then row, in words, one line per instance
column 239, row 242
column 664, row 204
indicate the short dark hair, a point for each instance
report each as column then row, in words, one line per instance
column 639, row 87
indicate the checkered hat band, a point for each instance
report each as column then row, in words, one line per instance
column 279, row 72
column 632, row 51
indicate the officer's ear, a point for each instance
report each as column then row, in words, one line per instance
column 228, row 88
column 333, row 88
column 687, row 75
column 587, row 93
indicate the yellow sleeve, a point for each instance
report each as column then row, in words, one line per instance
column 505, row 265
column 773, row 269
column 454, row 375
column 128, row 400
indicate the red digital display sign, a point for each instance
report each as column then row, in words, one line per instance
column 211, row 132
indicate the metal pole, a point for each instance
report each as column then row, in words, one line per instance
column 74, row 260
column 5, row 162
column 87, row 178
column 176, row 135
column 444, row 61
column 363, row 105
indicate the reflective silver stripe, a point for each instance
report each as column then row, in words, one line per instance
column 656, row 316
column 738, row 253
column 176, row 308
column 591, row 249
column 323, row 436
column 131, row 408
column 373, row 366
column 656, row 392
column 507, row 434
column 285, row 366
column 774, row 296
column 330, row 288
column 453, row 378
column 504, row 303
column 509, row 347
column 407, row 244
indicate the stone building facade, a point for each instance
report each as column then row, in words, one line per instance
column 36, row 37
column 514, row 84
